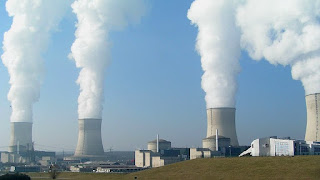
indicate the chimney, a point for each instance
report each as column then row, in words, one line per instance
column 217, row 140
column 157, row 143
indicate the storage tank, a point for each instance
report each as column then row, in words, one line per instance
column 313, row 124
column 89, row 138
column 222, row 119
column 21, row 135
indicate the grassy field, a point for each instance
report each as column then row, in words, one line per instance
column 298, row 167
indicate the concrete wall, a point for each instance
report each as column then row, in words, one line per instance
column 222, row 119
column 196, row 153
column 143, row 158
column 255, row 147
column 89, row 138
column 313, row 113
column 157, row 161
column 21, row 133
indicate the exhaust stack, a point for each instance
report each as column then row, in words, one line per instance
column 89, row 138
column 21, row 137
column 313, row 113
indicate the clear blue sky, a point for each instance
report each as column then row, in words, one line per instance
column 153, row 85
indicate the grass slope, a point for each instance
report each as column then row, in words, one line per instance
column 298, row 167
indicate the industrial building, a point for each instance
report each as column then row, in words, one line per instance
column 160, row 153
column 43, row 158
column 273, row 146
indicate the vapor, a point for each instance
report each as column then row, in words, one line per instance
column 91, row 48
column 218, row 43
column 23, row 46
column 285, row 32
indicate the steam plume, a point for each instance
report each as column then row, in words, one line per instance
column 91, row 48
column 23, row 46
column 218, row 44
column 285, row 32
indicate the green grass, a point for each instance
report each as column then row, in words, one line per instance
column 298, row 167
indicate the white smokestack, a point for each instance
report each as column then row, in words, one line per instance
column 218, row 45
column 91, row 48
column 217, row 140
column 285, row 32
column 157, row 143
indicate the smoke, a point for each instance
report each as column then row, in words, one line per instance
column 218, row 44
column 285, row 32
column 91, row 48
column 23, row 46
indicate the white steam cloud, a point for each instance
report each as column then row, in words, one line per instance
column 91, row 48
column 285, row 32
column 23, row 46
column 218, row 44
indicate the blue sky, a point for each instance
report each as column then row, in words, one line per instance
column 153, row 85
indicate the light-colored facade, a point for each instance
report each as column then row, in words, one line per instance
column 21, row 137
column 222, row 119
column 274, row 146
column 197, row 153
column 89, row 138
column 313, row 115
column 148, row 159
column 143, row 158
column 7, row 157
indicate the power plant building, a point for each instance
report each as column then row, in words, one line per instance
column 162, row 145
column 160, row 153
column 273, row 146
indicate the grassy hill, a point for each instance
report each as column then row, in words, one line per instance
column 298, row 167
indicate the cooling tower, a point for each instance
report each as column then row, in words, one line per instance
column 21, row 135
column 313, row 113
column 223, row 120
column 89, row 138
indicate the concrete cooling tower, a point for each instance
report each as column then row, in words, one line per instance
column 223, row 120
column 313, row 113
column 89, row 138
column 21, row 137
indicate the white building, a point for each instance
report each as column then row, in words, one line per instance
column 273, row 146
